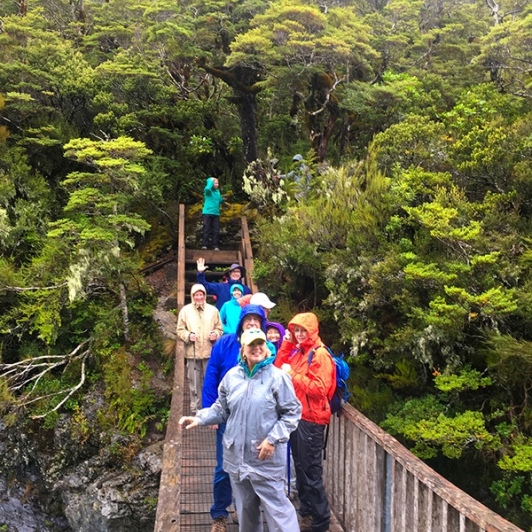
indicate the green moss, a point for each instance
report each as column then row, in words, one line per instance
column 132, row 401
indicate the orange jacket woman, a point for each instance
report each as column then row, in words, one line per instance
column 313, row 383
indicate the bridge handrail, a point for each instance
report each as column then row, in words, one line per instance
column 167, row 517
column 375, row 484
column 247, row 255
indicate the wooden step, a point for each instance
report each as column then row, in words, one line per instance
column 213, row 257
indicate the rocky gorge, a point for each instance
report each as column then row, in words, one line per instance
column 76, row 477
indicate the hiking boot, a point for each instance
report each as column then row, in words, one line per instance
column 219, row 524
column 305, row 522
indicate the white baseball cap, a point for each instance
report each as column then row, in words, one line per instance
column 261, row 299
column 252, row 335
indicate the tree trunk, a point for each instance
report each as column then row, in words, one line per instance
column 243, row 81
column 322, row 112
column 247, row 109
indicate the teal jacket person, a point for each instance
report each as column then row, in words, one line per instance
column 212, row 198
column 230, row 311
column 210, row 214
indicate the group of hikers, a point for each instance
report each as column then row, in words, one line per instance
column 267, row 390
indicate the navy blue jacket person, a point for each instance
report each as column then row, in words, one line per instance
column 222, row 291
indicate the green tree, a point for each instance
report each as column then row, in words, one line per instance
column 506, row 52
column 307, row 54
column 100, row 225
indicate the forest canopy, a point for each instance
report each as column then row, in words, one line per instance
column 410, row 234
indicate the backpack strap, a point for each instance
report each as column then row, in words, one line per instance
column 312, row 351
column 293, row 352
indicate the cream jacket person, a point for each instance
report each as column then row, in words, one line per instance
column 199, row 326
column 199, row 319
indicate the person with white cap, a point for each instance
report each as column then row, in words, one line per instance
column 274, row 331
column 257, row 402
column 199, row 326
column 222, row 291
column 261, row 299
column 258, row 298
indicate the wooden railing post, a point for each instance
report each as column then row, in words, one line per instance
column 247, row 255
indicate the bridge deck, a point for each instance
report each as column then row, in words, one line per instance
column 198, row 459
column 189, row 457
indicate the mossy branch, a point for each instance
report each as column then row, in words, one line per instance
column 19, row 289
column 30, row 371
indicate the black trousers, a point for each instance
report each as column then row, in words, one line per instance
column 211, row 226
column 306, row 443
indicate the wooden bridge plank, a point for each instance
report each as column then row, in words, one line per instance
column 340, row 445
column 380, row 487
column 425, row 508
column 350, row 475
column 410, row 509
column 219, row 257
column 364, row 507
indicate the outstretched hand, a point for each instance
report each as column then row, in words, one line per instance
column 200, row 264
column 190, row 421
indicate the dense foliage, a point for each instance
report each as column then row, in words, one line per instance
column 412, row 240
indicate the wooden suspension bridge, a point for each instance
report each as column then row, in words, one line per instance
column 374, row 483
